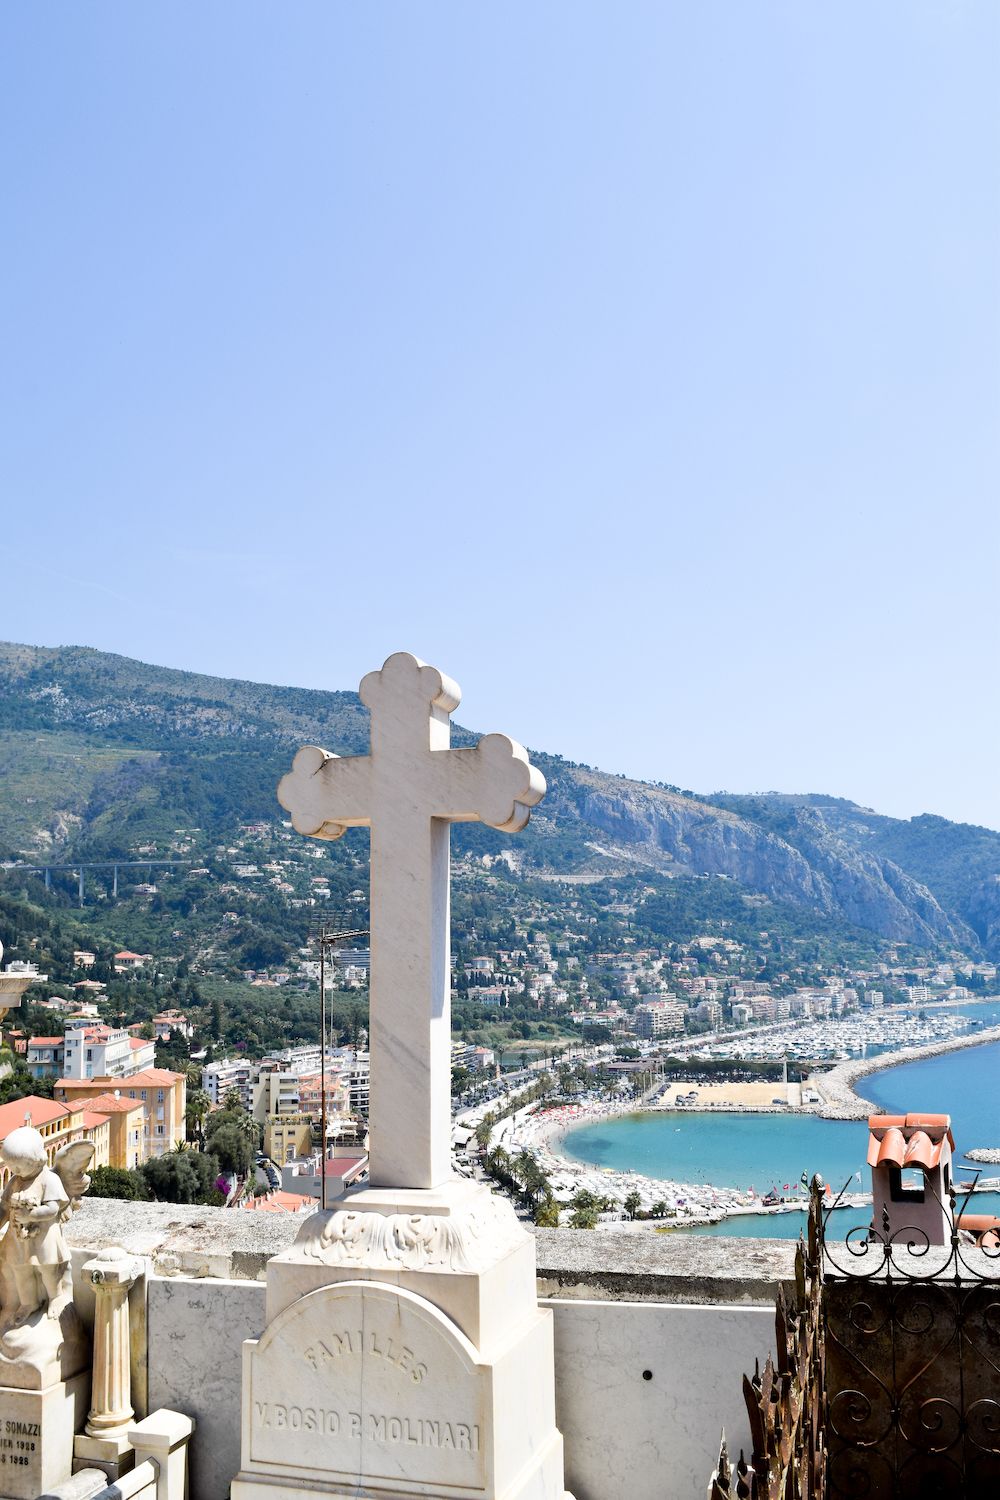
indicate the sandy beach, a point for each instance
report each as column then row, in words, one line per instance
column 541, row 1131
column 770, row 1094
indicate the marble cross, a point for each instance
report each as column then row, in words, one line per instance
column 408, row 790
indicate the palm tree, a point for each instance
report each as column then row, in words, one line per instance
column 547, row 1213
column 532, row 1178
column 195, row 1111
column 498, row 1165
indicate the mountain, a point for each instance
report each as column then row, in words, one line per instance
column 104, row 756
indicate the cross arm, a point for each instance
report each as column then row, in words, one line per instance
column 326, row 794
column 494, row 783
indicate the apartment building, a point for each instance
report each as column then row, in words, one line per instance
column 172, row 1023
column 96, row 1050
column 44, row 1056
column 656, row 1018
column 126, row 1126
column 163, row 1096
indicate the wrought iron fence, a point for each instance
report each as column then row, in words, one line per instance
column 911, row 1331
column 886, row 1380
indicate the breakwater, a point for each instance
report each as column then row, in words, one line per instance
column 841, row 1101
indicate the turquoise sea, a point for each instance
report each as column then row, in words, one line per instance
column 765, row 1151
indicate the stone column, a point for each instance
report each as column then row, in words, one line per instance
column 112, row 1274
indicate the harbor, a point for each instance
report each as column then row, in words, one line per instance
column 701, row 1154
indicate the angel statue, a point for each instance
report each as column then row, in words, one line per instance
column 35, row 1280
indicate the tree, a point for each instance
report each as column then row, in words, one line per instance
column 547, row 1214
column 233, row 1148
column 183, row 1177
column 195, row 1111
column 532, row 1178
column 583, row 1218
column 116, row 1182
column 632, row 1203
column 584, row 1199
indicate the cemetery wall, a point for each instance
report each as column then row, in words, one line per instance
column 652, row 1334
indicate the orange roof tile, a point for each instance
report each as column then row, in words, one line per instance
column 913, row 1139
column 158, row 1076
column 280, row 1203
column 42, row 1112
column 45, row 1041
column 108, row 1104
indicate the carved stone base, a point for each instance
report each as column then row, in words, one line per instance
column 36, row 1436
column 460, row 1246
column 44, row 1350
column 405, row 1354
column 114, row 1455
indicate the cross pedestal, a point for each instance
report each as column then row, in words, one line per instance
column 405, row 1352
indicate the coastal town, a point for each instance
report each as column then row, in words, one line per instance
column 561, row 995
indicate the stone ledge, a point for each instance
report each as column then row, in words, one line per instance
column 626, row 1264
column 639, row 1265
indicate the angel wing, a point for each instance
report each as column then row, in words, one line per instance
column 71, row 1165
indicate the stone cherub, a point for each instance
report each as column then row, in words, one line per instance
column 35, row 1280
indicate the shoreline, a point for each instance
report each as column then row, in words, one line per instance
column 543, row 1132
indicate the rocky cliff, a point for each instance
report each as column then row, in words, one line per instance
column 98, row 748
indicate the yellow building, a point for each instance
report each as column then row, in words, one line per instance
column 126, row 1124
column 287, row 1137
column 162, row 1094
column 58, row 1126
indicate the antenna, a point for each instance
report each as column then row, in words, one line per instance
column 328, row 940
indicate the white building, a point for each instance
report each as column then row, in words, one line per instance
column 654, row 1018
column 95, row 1050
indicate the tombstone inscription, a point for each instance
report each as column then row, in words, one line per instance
column 405, row 1352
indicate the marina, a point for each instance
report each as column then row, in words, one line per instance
column 699, row 1165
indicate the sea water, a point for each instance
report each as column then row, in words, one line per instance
column 767, row 1152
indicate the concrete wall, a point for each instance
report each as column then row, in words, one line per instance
column 624, row 1433
column 653, row 1438
column 693, row 1313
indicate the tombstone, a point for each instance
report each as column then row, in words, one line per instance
column 405, row 1352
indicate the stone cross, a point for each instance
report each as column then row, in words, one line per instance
column 408, row 790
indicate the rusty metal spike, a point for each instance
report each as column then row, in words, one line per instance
column 755, row 1417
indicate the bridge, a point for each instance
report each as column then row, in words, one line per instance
column 78, row 868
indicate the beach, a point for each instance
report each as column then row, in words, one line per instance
column 542, row 1131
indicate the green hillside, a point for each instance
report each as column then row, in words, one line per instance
column 106, row 757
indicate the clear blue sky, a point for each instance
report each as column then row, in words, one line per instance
column 638, row 365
